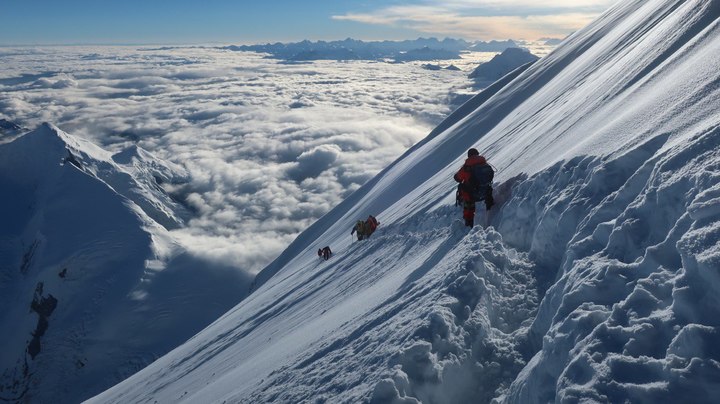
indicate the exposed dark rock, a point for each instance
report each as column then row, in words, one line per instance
column 72, row 160
column 44, row 307
column 28, row 256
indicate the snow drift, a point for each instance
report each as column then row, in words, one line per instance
column 92, row 287
column 597, row 281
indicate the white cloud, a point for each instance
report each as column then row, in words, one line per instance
column 529, row 4
column 269, row 147
column 486, row 20
column 312, row 163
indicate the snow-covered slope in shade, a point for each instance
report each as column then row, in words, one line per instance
column 502, row 64
column 8, row 130
column 598, row 280
column 92, row 288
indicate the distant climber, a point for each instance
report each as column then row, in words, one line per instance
column 325, row 253
column 475, row 185
column 365, row 228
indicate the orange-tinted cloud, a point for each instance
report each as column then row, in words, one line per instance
column 462, row 18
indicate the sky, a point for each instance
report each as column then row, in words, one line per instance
column 34, row 22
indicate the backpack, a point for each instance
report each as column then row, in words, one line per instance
column 360, row 229
column 481, row 178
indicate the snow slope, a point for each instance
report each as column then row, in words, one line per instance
column 502, row 64
column 92, row 288
column 597, row 281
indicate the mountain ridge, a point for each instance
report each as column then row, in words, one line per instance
column 93, row 288
column 421, row 49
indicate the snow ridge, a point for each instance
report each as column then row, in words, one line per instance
column 616, row 308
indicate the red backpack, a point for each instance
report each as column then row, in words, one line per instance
column 371, row 223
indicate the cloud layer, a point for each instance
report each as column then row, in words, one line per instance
column 270, row 147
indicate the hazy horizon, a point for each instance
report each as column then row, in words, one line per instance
column 224, row 43
column 83, row 22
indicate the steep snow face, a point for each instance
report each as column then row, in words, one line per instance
column 597, row 279
column 92, row 288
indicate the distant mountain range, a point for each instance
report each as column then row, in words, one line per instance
column 421, row 49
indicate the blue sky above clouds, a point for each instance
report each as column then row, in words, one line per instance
column 228, row 21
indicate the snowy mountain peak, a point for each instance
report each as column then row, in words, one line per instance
column 140, row 160
column 49, row 146
column 46, row 137
column 134, row 173
column 92, row 287
column 55, row 136
column 133, row 153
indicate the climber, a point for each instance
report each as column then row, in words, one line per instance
column 475, row 185
column 325, row 253
column 366, row 228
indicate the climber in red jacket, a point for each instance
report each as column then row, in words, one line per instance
column 475, row 185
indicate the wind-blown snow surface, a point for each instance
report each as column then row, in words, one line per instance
column 598, row 280
column 92, row 289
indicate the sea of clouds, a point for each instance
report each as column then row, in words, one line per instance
column 270, row 146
